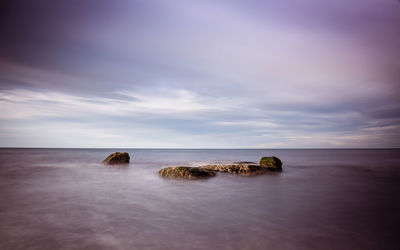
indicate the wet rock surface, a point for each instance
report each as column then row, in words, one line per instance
column 246, row 169
column 186, row 172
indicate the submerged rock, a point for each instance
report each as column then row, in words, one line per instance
column 117, row 158
column 241, row 168
column 271, row 163
column 186, row 172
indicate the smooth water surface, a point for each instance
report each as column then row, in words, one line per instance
column 324, row 199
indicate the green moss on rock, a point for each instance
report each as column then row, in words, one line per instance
column 117, row 158
column 271, row 163
column 186, row 172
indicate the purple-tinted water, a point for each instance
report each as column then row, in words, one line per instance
column 324, row 199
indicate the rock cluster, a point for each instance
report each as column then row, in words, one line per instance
column 117, row 158
column 245, row 168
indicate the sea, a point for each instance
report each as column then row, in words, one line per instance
column 323, row 199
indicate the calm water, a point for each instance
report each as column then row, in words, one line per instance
column 324, row 199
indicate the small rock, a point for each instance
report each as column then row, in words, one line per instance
column 117, row 158
column 186, row 172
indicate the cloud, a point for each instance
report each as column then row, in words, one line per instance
column 200, row 74
column 247, row 123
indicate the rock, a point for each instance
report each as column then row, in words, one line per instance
column 117, row 158
column 248, row 168
column 271, row 163
column 186, row 172
column 241, row 168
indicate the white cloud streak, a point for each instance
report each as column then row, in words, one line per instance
column 28, row 104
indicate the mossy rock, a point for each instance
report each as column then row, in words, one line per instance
column 117, row 158
column 240, row 168
column 186, row 172
column 271, row 163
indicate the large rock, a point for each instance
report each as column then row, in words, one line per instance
column 240, row 168
column 186, row 172
column 117, row 158
column 271, row 163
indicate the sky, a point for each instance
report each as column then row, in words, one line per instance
column 200, row 74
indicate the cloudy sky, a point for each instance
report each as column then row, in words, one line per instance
column 200, row 74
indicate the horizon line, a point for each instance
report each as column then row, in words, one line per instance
column 181, row 148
